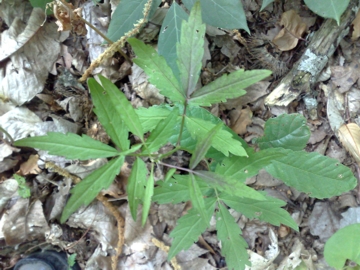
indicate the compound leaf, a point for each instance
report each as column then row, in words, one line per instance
column 233, row 246
column 170, row 35
column 123, row 107
column 312, row 173
column 227, row 86
column 158, row 71
column 114, row 126
column 287, row 131
column 189, row 227
column 190, row 50
column 136, row 186
column 69, row 145
column 342, row 246
column 268, row 210
column 86, row 191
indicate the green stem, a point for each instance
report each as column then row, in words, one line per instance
column 7, row 135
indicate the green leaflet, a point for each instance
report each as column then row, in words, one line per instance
column 163, row 131
column 189, row 228
column 343, row 246
column 312, row 173
column 158, row 71
column 23, row 189
column 191, row 50
column 123, row 107
column 203, row 146
column 196, row 196
column 227, row 86
column 113, row 125
column 176, row 190
column 287, row 131
column 126, row 15
column 265, row 3
column 228, row 185
column 233, row 246
column 150, row 117
column 69, row 145
column 136, row 185
column 241, row 168
column 170, row 35
column 228, row 14
column 222, row 141
column 86, row 191
column 149, row 191
column 328, row 8
column 268, row 210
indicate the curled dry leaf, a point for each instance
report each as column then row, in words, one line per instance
column 294, row 28
column 349, row 135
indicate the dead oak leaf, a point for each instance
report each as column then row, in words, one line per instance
column 293, row 28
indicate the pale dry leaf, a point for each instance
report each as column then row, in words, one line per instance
column 240, row 119
column 345, row 77
column 349, row 135
column 356, row 24
column 294, row 28
column 30, row 166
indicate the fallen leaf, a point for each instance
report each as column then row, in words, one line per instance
column 240, row 119
column 30, row 166
column 356, row 24
column 349, row 135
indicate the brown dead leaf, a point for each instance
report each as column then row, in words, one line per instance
column 349, row 135
column 345, row 77
column 30, row 166
column 240, row 119
column 356, row 23
column 294, row 28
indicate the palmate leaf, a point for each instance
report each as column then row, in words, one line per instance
column 227, row 86
column 69, row 145
column 196, row 196
column 149, row 192
column 190, row 50
column 268, row 210
column 176, row 190
column 222, row 141
column 233, row 246
column 86, row 191
column 189, row 228
column 163, row 131
column 228, row 185
column 312, row 173
column 170, row 35
column 136, row 185
column 203, row 146
column 241, row 168
column 113, row 125
column 123, row 107
column 158, row 71
column 287, row 131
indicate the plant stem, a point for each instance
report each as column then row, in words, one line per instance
column 176, row 167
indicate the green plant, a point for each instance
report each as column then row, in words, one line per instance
column 226, row 160
column 23, row 190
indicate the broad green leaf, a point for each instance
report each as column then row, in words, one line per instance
column 175, row 190
column 158, row 71
column 222, row 141
column 149, row 192
column 125, row 16
column 170, row 35
column 42, row 4
column 228, row 185
column 123, row 107
column 233, row 246
column 86, row 191
column 328, row 8
column 319, row 176
column 227, row 86
column 241, row 168
column 268, row 210
column 342, row 246
column 136, row 186
column 106, row 114
column 203, row 146
column 189, row 228
column 228, row 14
column 265, row 3
column 163, row 131
column 69, row 145
column 190, row 50
column 287, row 131
column 150, row 117
column 196, row 196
